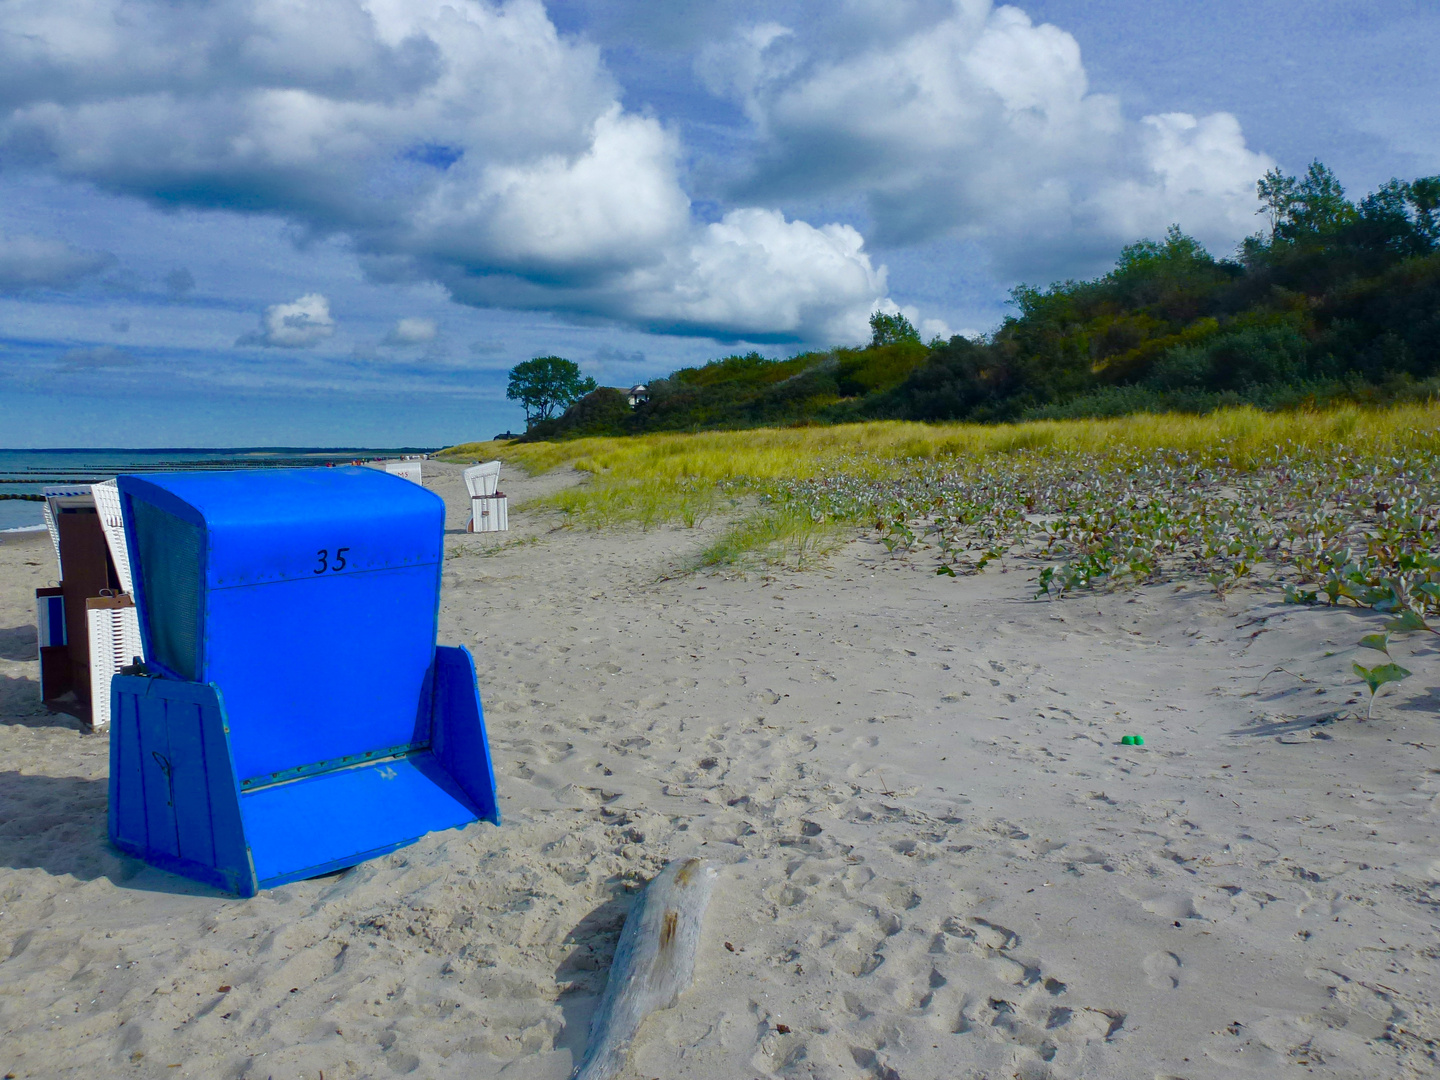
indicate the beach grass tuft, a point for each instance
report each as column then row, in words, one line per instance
column 649, row 503
column 776, row 535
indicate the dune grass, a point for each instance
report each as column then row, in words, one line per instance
column 1238, row 436
column 776, row 534
column 647, row 503
column 766, row 480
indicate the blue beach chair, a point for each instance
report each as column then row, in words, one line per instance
column 296, row 716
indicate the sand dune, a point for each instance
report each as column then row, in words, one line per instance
column 937, row 860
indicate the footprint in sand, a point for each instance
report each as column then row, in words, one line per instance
column 993, row 935
column 1170, row 906
column 899, row 895
column 1162, row 970
column 984, row 936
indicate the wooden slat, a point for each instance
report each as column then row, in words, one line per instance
column 194, row 829
column 155, row 770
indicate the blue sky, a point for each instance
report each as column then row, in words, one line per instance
column 341, row 222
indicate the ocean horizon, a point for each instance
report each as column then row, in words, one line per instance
column 30, row 471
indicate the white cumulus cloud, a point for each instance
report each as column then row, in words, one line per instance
column 760, row 276
column 980, row 124
column 296, row 325
column 751, row 276
column 461, row 141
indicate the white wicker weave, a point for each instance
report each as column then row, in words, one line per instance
column 114, row 643
column 107, row 502
column 483, row 479
column 489, row 513
column 54, row 531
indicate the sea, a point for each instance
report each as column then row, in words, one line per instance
column 29, row 472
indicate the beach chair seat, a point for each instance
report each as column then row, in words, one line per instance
column 296, row 715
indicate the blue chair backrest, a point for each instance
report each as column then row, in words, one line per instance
column 310, row 597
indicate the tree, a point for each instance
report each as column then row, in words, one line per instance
column 1403, row 215
column 891, row 329
column 1277, row 193
column 547, row 385
column 1303, row 208
column 1423, row 196
column 1147, row 258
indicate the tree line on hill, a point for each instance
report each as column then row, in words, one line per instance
column 1335, row 300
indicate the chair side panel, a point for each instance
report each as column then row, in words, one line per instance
column 232, row 850
column 174, row 798
column 107, row 502
column 460, row 742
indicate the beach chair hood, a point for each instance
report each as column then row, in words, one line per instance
column 482, row 480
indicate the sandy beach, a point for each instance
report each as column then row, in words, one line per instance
column 937, row 860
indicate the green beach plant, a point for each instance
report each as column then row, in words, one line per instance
column 1376, row 677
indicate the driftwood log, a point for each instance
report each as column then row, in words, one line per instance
column 654, row 961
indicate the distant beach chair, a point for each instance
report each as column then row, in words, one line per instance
column 87, row 625
column 489, row 508
column 296, row 715
column 410, row 470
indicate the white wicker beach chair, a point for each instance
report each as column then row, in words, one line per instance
column 111, row 622
column 489, row 508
